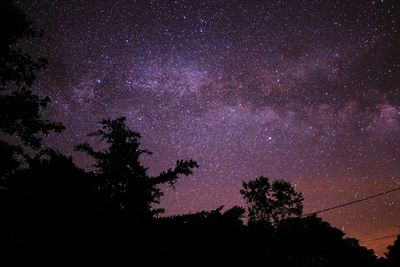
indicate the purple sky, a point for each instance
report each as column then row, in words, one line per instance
column 306, row 91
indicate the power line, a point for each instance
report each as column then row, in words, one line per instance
column 352, row 202
column 379, row 238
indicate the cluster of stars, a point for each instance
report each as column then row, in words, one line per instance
column 303, row 91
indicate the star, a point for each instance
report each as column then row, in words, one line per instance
column 318, row 82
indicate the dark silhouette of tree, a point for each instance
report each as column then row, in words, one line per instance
column 26, row 183
column 47, row 205
column 232, row 216
column 271, row 203
column 16, row 66
column 9, row 161
column 124, row 180
column 206, row 238
column 20, row 108
column 310, row 241
column 393, row 254
column 53, row 206
column 20, row 115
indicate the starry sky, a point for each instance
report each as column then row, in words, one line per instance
column 306, row 91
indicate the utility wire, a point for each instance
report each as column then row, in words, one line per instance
column 379, row 238
column 352, row 202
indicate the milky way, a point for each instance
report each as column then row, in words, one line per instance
column 306, row 91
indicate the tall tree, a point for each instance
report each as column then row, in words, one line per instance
column 124, row 180
column 271, row 203
column 20, row 107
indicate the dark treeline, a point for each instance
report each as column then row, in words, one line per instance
column 56, row 214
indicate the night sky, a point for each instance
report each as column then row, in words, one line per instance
column 306, row 91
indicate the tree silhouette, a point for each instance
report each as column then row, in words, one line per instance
column 124, row 180
column 9, row 160
column 310, row 241
column 20, row 108
column 271, row 203
column 47, row 204
column 393, row 254
column 16, row 66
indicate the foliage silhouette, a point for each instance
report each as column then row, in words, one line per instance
column 16, row 66
column 45, row 206
column 20, row 107
column 9, row 160
column 310, row 241
column 53, row 206
column 271, row 203
column 393, row 254
column 124, row 180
